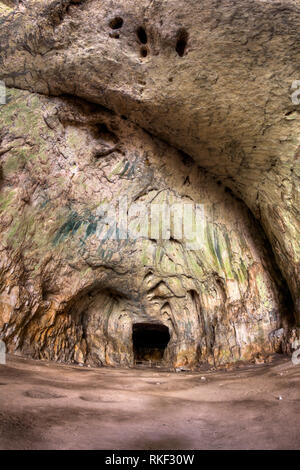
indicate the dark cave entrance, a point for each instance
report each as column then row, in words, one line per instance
column 149, row 342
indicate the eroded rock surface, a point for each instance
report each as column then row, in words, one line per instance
column 211, row 78
column 70, row 293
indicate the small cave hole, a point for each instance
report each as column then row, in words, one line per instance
column 116, row 23
column 144, row 51
column 182, row 39
column 186, row 159
column 228, row 190
column 142, row 35
column 102, row 132
column 149, row 342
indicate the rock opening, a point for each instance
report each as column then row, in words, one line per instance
column 182, row 39
column 116, row 23
column 144, row 52
column 142, row 35
column 149, row 342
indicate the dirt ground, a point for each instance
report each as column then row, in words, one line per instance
column 51, row 406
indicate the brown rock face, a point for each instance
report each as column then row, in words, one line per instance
column 72, row 291
column 212, row 79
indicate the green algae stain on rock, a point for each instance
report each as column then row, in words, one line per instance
column 264, row 292
column 6, row 200
column 69, row 228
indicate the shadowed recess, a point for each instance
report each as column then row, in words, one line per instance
column 116, row 23
column 149, row 341
column 142, row 35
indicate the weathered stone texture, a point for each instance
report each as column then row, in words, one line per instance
column 66, row 294
column 211, row 78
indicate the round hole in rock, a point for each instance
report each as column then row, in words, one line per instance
column 149, row 341
column 144, row 52
column 182, row 39
column 142, row 35
column 114, row 35
column 116, row 23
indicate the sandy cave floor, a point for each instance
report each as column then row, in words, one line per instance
column 52, row 406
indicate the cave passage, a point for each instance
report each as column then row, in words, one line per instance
column 149, row 342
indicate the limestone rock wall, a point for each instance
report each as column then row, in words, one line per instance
column 69, row 293
column 212, row 78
